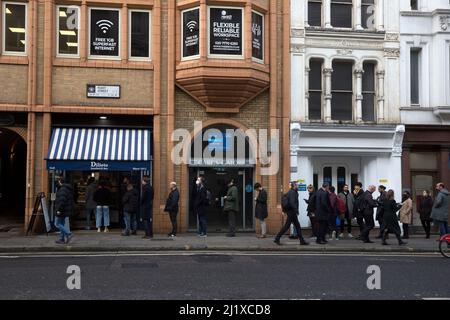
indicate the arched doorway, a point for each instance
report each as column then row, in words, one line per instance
column 13, row 155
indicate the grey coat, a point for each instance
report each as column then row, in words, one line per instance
column 348, row 200
column 440, row 207
column 90, row 191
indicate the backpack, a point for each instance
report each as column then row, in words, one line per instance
column 285, row 206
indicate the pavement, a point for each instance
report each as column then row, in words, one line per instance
column 91, row 241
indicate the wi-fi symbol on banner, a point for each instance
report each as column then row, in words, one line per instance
column 191, row 25
column 104, row 25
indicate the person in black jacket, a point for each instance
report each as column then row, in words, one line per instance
column 130, row 204
column 147, row 207
column 200, row 200
column 425, row 208
column 64, row 208
column 380, row 209
column 172, row 207
column 323, row 212
column 358, row 209
column 292, row 215
column 102, row 197
column 390, row 218
column 311, row 211
column 261, row 211
column 368, row 204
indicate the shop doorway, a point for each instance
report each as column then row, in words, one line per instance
column 216, row 180
column 421, row 181
column 13, row 155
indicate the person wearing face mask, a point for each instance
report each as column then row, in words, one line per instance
column 200, row 201
column 231, row 207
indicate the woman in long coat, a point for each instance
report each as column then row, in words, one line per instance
column 406, row 213
column 261, row 212
column 390, row 218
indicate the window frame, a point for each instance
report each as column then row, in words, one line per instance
column 208, row 36
column 321, row 13
column 67, row 55
column 374, row 92
column 3, row 17
column 419, row 51
column 353, row 91
column 119, row 40
column 130, row 57
column 352, row 18
column 263, row 39
column 200, row 30
column 321, row 91
column 375, row 8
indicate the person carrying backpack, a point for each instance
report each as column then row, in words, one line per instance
column 64, row 208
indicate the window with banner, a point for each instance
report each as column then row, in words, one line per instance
column 14, row 28
column 225, row 32
column 190, row 30
column 258, row 36
column 104, row 33
column 67, row 30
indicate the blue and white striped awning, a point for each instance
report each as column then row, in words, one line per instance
column 99, row 144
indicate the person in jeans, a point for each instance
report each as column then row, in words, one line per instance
column 439, row 213
column 261, row 211
column 130, row 202
column 172, row 207
column 64, row 208
column 147, row 207
column 406, row 213
column 231, row 207
column 200, row 200
column 102, row 197
column 347, row 197
column 91, row 205
column 425, row 208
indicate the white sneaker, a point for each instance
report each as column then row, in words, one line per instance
column 99, row 230
column 341, row 235
column 350, row 236
column 333, row 235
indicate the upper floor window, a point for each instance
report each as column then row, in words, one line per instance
column 14, row 28
column 315, row 13
column 368, row 92
column 315, row 90
column 139, row 40
column 67, row 42
column 341, row 13
column 342, row 91
column 104, row 33
column 368, row 14
column 414, row 4
column 415, row 75
column 190, row 30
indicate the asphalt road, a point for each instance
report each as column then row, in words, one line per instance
column 224, row 276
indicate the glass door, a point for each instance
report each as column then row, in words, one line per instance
column 421, row 181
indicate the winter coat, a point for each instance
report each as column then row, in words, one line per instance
column 261, row 211
column 293, row 202
column 406, row 211
column 90, row 191
column 64, row 202
column 311, row 209
column 333, row 204
column 102, row 196
column 368, row 204
column 199, row 200
column 358, row 204
column 380, row 209
column 172, row 201
column 130, row 201
column 390, row 218
column 232, row 200
column 323, row 206
column 425, row 208
column 440, row 207
column 348, row 200
column 147, row 202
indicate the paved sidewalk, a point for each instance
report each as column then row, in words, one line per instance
column 91, row 241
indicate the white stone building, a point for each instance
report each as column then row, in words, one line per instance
column 345, row 97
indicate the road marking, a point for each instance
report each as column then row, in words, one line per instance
column 436, row 299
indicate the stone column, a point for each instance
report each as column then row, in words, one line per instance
column 306, row 14
column 327, row 112
column 379, row 14
column 359, row 95
column 307, row 70
column 380, row 95
column 357, row 14
column 327, row 14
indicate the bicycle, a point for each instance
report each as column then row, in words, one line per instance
column 444, row 245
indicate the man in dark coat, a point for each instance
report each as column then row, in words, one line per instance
column 261, row 211
column 130, row 204
column 292, row 215
column 380, row 209
column 200, row 200
column 426, row 205
column 358, row 207
column 147, row 207
column 311, row 211
column 64, row 208
column 172, row 207
column 323, row 212
column 231, row 207
column 368, row 204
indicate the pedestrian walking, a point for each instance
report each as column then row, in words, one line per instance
column 102, row 198
column 291, row 209
column 261, row 211
column 147, row 207
column 358, row 209
column 390, row 219
column 380, row 209
column 406, row 213
column 347, row 197
column 200, row 201
column 439, row 213
column 425, row 208
column 64, row 208
column 130, row 203
column 231, row 207
column 332, row 227
column 323, row 212
column 91, row 205
column 368, row 205
column 311, row 211
column 172, row 207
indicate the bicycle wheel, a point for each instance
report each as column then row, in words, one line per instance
column 444, row 248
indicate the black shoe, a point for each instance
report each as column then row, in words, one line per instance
column 134, row 233
column 379, row 237
column 125, row 234
column 402, row 243
column 384, row 243
column 427, row 237
column 321, row 242
column 303, row 242
column 276, row 241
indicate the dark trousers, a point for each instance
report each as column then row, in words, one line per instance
column 369, row 224
column 405, row 230
column 232, row 221
column 323, row 227
column 443, row 228
column 173, row 220
column 148, row 226
column 314, row 226
column 349, row 224
column 292, row 218
column 332, row 224
column 202, row 224
column 426, row 224
column 380, row 222
column 360, row 221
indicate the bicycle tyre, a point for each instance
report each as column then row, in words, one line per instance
column 444, row 248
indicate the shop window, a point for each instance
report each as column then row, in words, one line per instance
column 342, row 91
column 67, row 30
column 140, row 34
column 15, row 27
column 368, row 14
column 257, row 36
column 315, row 13
column 315, row 90
column 368, row 91
column 341, row 13
column 225, row 32
column 190, row 33
column 104, row 33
